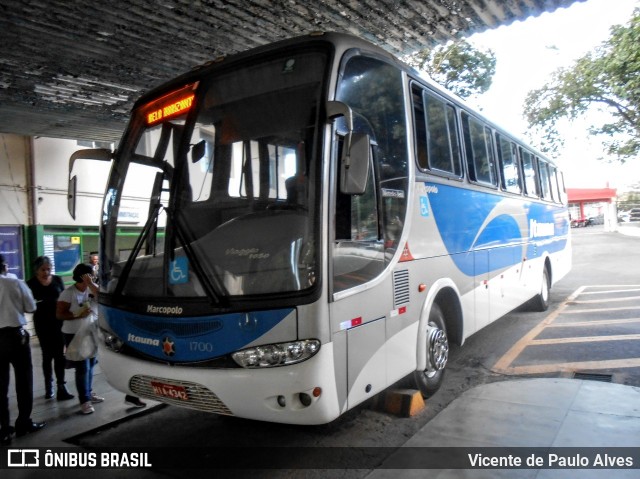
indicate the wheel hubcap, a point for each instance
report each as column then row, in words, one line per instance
column 438, row 349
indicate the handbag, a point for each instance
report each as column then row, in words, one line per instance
column 84, row 344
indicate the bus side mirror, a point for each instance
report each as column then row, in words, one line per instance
column 100, row 154
column 354, row 164
column 356, row 152
column 71, row 196
column 198, row 151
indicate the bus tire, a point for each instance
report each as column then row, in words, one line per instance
column 437, row 344
column 540, row 302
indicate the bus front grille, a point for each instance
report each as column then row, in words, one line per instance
column 198, row 396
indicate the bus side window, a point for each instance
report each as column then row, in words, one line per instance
column 545, row 190
column 562, row 187
column 358, row 251
column 479, row 150
column 444, row 153
column 357, row 215
column 529, row 170
column 367, row 224
column 420, row 125
column 555, row 189
column 508, row 157
column 436, row 133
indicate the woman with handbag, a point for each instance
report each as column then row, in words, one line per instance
column 46, row 289
column 75, row 306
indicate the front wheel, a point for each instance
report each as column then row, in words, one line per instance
column 437, row 344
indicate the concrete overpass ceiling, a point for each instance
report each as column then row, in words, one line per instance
column 72, row 69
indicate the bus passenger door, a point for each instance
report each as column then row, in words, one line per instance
column 366, row 228
column 360, row 312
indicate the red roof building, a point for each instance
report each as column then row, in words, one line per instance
column 595, row 203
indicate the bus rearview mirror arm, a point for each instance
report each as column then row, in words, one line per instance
column 356, row 154
column 100, row 154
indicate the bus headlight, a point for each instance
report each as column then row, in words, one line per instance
column 280, row 354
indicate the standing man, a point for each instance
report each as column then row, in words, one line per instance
column 15, row 300
column 95, row 265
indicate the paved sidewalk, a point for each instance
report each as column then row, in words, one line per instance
column 63, row 418
column 629, row 229
column 532, row 413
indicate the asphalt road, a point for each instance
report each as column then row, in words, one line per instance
column 592, row 327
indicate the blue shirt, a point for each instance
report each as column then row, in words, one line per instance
column 15, row 300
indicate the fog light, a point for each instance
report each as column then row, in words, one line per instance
column 305, row 399
column 113, row 342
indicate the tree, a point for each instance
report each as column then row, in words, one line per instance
column 459, row 67
column 629, row 199
column 607, row 80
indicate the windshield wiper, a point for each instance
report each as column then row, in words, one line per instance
column 153, row 215
column 214, row 290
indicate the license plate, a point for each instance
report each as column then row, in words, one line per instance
column 169, row 391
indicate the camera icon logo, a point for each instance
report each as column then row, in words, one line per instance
column 23, row 458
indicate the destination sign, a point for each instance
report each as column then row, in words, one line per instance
column 176, row 108
column 171, row 105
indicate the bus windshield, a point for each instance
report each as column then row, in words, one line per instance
column 215, row 193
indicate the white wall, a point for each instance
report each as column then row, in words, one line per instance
column 51, row 158
column 13, row 179
column 50, row 184
column 50, row 165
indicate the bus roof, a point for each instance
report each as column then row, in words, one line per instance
column 340, row 42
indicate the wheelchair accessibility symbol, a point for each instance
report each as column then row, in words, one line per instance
column 424, row 206
column 179, row 271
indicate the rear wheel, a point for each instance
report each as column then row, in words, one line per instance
column 437, row 344
column 540, row 302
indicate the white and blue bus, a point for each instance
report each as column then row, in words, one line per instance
column 288, row 231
